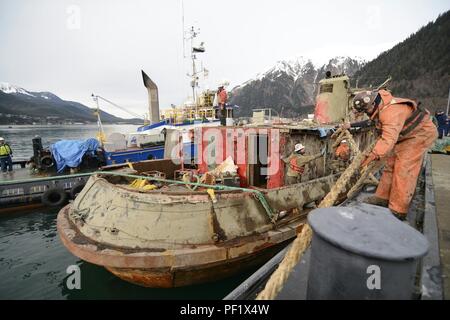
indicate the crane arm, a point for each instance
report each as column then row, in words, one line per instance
column 117, row 106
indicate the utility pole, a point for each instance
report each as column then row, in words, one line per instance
column 448, row 101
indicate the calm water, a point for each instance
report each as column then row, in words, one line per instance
column 19, row 136
column 33, row 261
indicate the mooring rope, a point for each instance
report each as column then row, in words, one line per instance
column 303, row 239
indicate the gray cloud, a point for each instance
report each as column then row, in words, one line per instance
column 47, row 46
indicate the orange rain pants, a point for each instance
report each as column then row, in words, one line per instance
column 404, row 155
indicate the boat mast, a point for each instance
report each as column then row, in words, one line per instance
column 190, row 36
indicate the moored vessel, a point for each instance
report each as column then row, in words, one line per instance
column 166, row 223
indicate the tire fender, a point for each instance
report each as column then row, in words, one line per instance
column 76, row 189
column 54, row 197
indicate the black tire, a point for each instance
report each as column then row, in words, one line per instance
column 47, row 162
column 150, row 157
column 54, row 197
column 76, row 189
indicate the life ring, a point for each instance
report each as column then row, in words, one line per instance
column 76, row 189
column 54, row 197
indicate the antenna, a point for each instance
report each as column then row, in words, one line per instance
column 190, row 35
column 448, row 102
column 182, row 26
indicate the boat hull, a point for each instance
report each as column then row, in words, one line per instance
column 167, row 278
column 180, row 267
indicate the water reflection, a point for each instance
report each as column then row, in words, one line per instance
column 33, row 261
column 33, row 264
column 19, row 137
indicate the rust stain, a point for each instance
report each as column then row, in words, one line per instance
column 218, row 232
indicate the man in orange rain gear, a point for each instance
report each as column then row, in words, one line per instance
column 297, row 163
column 342, row 154
column 406, row 134
column 343, row 151
column 222, row 98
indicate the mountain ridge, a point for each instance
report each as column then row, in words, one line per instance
column 20, row 106
column 419, row 67
column 289, row 87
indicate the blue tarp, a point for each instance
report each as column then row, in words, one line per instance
column 324, row 131
column 70, row 152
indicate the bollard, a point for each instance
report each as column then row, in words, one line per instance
column 362, row 252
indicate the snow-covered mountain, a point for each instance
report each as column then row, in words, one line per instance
column 18, row 105
column 289, row 86
column 8, row 88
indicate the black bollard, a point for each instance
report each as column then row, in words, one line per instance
column 37, row 150
column 362, row 252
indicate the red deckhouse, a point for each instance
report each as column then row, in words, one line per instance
column 255, row 151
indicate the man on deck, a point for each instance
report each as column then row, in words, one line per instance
column 442, row 123
column 297, row 162
column 5, row 156
column 222, row 99
column 342, row 155
column 406, row 134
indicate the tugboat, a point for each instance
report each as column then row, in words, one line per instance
column 166, row 223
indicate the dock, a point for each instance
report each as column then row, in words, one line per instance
column 441, row 181
column 429, row 213
column 22, row 189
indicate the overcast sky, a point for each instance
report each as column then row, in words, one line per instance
column 77, row 47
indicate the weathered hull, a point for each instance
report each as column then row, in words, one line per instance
column 167, row 278
column 174, row 236
column 178, row 267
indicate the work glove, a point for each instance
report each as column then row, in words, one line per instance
column 371, row 157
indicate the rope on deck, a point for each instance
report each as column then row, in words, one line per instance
column 303, row 239
column 258, row 194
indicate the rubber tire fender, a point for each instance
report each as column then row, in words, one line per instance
column 54, row 197
column 76, row 189
column 47, row 162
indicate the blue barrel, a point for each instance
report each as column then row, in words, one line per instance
column 362, row 252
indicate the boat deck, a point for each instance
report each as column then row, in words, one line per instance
column 21, row 189
column 436, row 228
column 19, row 174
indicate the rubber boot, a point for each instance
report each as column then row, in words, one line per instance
column 376, row 201
column 398, row 215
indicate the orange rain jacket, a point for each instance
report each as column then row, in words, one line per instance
column 343, row 152
column 403, row 152
column 222, row 97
